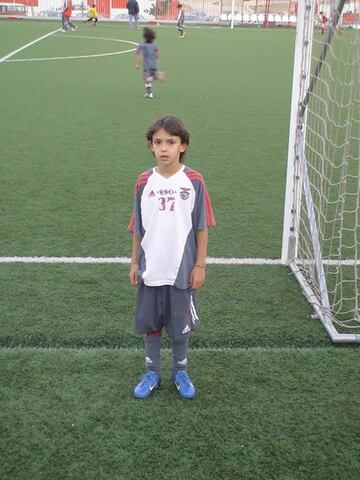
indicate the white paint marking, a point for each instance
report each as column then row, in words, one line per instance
column 126, row 260
column 140, row 350
column 75, row 57
column 4, row 59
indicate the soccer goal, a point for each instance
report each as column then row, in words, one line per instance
column 321, row 235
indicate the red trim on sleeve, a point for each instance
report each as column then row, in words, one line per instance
column 196, row 176
column 210, row 219
column 131, row 226
column 141, row 180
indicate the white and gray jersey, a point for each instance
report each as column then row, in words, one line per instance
column 181, row 18
column 150, row 53
column 168, row 213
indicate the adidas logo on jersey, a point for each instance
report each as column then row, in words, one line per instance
column 152, row 193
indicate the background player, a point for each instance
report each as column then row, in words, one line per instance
column 148, row 53
column 92, row 14
column 180, row 21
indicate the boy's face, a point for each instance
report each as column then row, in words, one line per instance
column 167, row 149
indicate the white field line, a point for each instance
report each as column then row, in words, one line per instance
column 76, row 57
column 126, row 260
column 11, row 54
column 135, row 349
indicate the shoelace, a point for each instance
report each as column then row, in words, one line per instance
column 148, row 378
column 183, row 377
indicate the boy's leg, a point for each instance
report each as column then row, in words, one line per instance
column 151, row 379
column 64, row 22
column 182, row 318
column 148, row 318
column 152, row 351
column 73, row 27
column 179, row 364
column 148, row 89
column 179, row 354
column 181, row 30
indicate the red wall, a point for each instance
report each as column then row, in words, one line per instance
column 118, row 3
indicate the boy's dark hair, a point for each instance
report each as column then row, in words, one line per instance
column 179, row 5
column 149, row 35
column 174, row 126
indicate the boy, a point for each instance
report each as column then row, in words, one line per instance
column 180, row 21
column 170, row 220
column 92, row 14
column 133, row 10
column 149, row 52
column 323, row 22
column 66, row 16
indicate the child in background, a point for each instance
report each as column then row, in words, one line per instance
column 323, row 22
column 92, row 14
column 66, row 16
column 170, row 220
column 148, row 52
column 180, row 21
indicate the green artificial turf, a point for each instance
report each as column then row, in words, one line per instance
column 73, row 137
column 285, row 414
column 89, row 305
column 275, row 399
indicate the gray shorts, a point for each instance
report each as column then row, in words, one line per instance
column 150, row 75
column 166, row 306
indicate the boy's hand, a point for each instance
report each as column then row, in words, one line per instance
column 133, row 275
column 197, row 277
column 136, row 66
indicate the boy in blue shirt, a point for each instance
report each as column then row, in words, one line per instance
column 148, row 52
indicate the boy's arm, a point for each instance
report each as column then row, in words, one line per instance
column 197, row 276
column 138, row 60
column 133, row 276
column 138, row 55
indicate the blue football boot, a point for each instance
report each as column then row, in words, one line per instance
column 183, row 383
column 149, row 381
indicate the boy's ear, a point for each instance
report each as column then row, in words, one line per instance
column 183, row 147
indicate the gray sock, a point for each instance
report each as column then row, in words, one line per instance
column 179, row 354
column 152, row 353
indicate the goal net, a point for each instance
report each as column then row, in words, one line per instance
column 321, row 239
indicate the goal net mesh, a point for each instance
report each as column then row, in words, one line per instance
column 328, row 195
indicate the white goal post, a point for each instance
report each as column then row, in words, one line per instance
column 321, row 231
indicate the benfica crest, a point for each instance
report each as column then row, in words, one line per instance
column 185, row 193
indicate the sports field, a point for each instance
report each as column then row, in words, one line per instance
column 276, row 400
